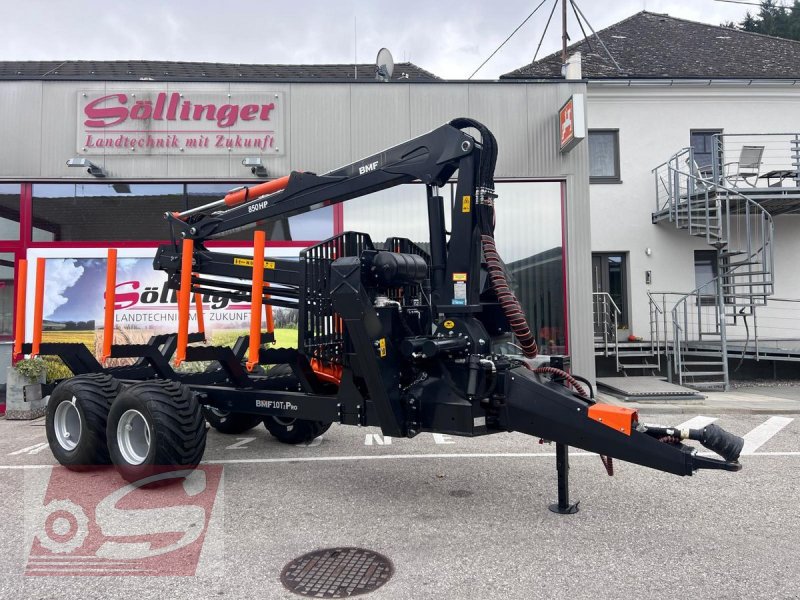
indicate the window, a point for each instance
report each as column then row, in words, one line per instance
column 702, row 143
column 705, row 272
column 104, row 211
column 528, row 233
column 311, row 226
column 604, row 156
column 9, row 211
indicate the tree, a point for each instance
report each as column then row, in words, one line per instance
column 773, row 18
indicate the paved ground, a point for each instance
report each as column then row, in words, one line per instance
column 459, row 518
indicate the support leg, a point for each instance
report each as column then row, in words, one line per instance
column 563, row 507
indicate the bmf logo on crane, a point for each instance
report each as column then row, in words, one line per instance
column 367, row 168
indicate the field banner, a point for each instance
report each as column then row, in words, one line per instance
column 144, row 305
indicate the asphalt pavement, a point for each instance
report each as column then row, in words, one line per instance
column 458, row 518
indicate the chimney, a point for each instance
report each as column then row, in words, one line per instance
column 573, row 68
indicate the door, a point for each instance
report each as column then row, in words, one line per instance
column 610, row 275
column 704, row 151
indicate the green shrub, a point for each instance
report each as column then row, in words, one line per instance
column 31, row 368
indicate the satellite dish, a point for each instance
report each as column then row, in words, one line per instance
column 384, row 65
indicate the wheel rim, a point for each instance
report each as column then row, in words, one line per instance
column 284, row 422
column 68, row 425
column 218, row 413
column 133, row 437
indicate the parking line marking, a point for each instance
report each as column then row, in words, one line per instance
column 35, row 449
column 697, row 422
column 299, row 459
column 761, row 434
column 240, row 445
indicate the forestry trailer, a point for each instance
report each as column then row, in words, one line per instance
column 394, row 335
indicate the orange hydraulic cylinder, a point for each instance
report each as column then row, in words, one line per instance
column 19, row 327
column 111, row 298
column 262, row 189
column 184, row 301
column 38, row 307
column 256, row 299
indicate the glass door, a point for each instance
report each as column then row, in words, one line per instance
column 609, row 275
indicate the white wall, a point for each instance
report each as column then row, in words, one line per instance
column 654, row 122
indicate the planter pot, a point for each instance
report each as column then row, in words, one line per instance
column 23, row 396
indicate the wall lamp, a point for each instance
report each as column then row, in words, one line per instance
column 90, row 167
column 255, row 165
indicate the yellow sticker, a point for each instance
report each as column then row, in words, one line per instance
column 382, row 347
column 449, row 324
column 248, row 262
column 465, row 203
column 459, row 276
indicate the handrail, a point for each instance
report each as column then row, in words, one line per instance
column 610, row 299
column 726, row 218
column 604, row 324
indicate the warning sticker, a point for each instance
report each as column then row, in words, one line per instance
column 460, row 292
column 248, row 262
column 466, row 201
column 459, row 276
column 382, row 347
column 449, row 324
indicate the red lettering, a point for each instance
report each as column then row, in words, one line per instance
column 142, row 110
column 209, row 109
column 249, row 112
column 265, row 110
column 227, row 115
column 130, row 297
column 98, row 114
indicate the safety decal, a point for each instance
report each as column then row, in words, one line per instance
column 382, row 347
column 466, row 201
column 248, row 262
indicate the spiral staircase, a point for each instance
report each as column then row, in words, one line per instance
column 741, row 231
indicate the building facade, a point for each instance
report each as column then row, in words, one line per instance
column 95, row 153
column 695, row 191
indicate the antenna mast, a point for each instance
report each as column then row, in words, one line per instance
column 564, row 36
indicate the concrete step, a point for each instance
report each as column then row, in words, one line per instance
column 701, row 373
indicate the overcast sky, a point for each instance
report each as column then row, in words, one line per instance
column 450, row 38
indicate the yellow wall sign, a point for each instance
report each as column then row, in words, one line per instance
column 382, row 347
column 449, row 324
column 248, row 262
column 465, row 203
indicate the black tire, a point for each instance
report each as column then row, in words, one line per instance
column 292, row 431
column 226, row 422
column 93, row 395
column 173, row 433
column 229, row 423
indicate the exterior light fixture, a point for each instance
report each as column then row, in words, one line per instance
column 90, row 167
column 255, row 165
column 648, row 251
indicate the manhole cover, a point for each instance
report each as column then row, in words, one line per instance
column 337, row 573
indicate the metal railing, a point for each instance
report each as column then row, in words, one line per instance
column 744, row 160
column 739, row 229
column 606, row 319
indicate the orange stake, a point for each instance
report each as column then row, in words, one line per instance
column 268, row 313
column 251, row 193
column 38, row 307
column 256, row 298
column 198, row 306
column 22, row 283
column 184, row 301
column 111, row 298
